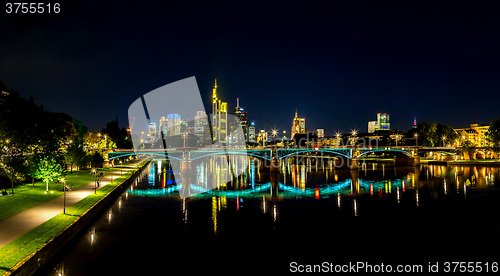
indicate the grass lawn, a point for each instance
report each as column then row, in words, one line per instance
column 17, row 250
column 26, row 196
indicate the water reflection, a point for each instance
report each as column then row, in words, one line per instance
column 272, row 202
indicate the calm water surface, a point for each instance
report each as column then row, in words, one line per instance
column 261, row 222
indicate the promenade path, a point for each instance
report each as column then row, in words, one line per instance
column 19, row 224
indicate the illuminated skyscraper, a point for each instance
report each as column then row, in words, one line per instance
column 240, row 120
column 219, row 117
column 200, row 122
column 173, row 124
column 251, row 133
column 382, row 123
column 152, row 133
column 298, row 125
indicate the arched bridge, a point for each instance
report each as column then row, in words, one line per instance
column 265, row 154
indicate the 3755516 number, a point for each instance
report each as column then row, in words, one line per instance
column 471, row 267
column 32, row 8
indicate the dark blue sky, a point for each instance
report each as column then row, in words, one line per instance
column 338, row 64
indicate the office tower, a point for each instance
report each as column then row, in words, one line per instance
column 298, row 125
column 219, row 117
column 382, row 123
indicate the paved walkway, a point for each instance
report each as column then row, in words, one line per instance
column 17, row 225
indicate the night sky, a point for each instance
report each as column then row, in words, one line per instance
column 338, row 64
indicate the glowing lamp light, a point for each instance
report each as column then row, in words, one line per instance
column 316, row 148
column 403, row 148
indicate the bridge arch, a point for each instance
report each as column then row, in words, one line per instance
column 124, row 154
column 230, row 152
column 395, row 151
column 313, row 150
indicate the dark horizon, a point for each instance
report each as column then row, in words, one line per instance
column 338, row 65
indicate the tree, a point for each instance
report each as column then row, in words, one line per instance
column 48, row 169
column 493, row 134
column 74, row 155
column 467, row 147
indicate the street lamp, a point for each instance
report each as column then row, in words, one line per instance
column 95, row 180
column 416, row 139
column 121, row 168
column 353, row 134
column 63, row 180
column 444, row 138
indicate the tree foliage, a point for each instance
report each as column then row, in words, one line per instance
column 493, row 134
column 48, row 169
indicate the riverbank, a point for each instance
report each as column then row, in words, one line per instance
column 30, row 251
column 477, row 162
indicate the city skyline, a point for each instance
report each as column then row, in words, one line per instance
column 339, row 69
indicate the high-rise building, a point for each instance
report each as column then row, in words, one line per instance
column 240, row 120
column 163, row 128
column 200, row 122
column 173, row 124
column 320, row 132
column 414, row 122
column 298, row 125
column 219, row 117
column 382, row 123
column 152, row 133
column 251, row 133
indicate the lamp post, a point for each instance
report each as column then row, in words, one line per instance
column 63, row 180
column 354, row 133
column 416, row 139
column 121, row 168
column 444, row 139
column 95, row 180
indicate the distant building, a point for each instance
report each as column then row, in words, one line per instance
column 162, row 127
column 152, row 133
column 476, row 134
column 298, row 125
column 219, row 118
column 382, row 123
column 320, row 132
column 240, row 120
column 200, row 122
column 251, row 133
column 173, row 124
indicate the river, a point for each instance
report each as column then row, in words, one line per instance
column 261, row 222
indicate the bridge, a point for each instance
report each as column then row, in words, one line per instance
column 193, row 154
column 271, row 157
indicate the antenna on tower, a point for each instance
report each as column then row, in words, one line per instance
column 237, row 102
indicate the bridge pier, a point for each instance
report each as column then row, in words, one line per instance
column 272, row 166
column 185, row 174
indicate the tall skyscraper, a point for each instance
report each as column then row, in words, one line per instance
column 163, row 128
column 240, row 120
column 173, row 124
column 200, row 122
column 219, row 117
column 251, row 133
column 152, row 133
column 414, row 122
column 382, row 123
column 298, row 125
